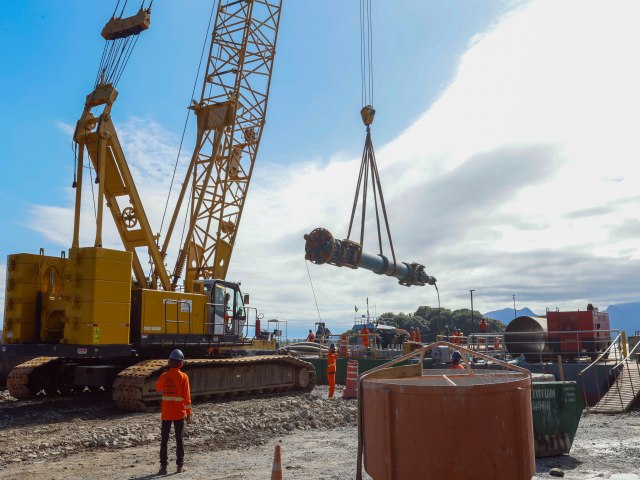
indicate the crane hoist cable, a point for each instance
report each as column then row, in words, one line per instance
column 121, row 35
column 321, row 247
column 184, row 130
column 366, row 52
column 368, row 166
column 306, row 264
column 189, row 111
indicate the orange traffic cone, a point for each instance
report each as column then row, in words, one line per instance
column 351, row 389
column 276, row 471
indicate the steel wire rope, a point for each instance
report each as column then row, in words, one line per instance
column 114, row 68
column 93, row 195
column 306, row 264
column 115, row 9
column 126, row 60
column 106, row 68
column 362, row 56
column 100, row 66
column 123, row 6
column 368, row 155
column 214, row 7
column 365, row 194
column 355, row 200
column 366, row 52
column 374, row 167
column 186, row 120
column 370, row 53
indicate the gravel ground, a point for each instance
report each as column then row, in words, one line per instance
column 85, row 437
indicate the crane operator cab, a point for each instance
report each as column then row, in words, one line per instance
column 227, row 311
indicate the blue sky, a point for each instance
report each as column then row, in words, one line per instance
column 493, row 121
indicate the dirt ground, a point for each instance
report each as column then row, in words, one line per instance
column 85, row 437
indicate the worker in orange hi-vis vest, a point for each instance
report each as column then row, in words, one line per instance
column 332, row 358
column 418, row 336
column 365, row 337
column 412, row 334
column 483, row 326
column 176, row 406
column 456, row 336
column 455, row 361
column 311, row 337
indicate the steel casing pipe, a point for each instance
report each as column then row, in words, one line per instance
column 321, row 247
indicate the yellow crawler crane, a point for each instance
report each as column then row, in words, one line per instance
column 82, row 321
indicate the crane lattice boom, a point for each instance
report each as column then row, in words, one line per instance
column 231, row 116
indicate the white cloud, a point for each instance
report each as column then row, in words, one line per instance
column 521, row 178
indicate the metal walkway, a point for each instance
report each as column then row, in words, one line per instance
column 623, row 392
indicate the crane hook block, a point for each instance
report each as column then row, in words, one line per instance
column 118, row 27
column 367, row 113
column 321, row 247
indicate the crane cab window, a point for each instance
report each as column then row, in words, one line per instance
column 219, row 295
column 239, row 306
column 228, row 301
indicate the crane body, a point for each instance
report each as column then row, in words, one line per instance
column 94, row 319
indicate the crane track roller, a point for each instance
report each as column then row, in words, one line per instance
column 134, row 387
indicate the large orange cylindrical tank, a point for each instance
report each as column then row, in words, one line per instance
column 448, row 425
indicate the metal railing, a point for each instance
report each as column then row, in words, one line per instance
column 347, row 346
column 541, row 345
column 239, row 325
column 177, row 321
column 491, row 344
column 630, row 363
column 616, row 347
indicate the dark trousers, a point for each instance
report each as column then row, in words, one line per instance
column 166, row 429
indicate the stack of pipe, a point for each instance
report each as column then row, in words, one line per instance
column 306, row 348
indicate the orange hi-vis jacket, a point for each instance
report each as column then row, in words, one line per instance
column 331, row 362
column 365, row 337
column 176, row 395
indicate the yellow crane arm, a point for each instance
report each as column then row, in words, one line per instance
column 231, row 116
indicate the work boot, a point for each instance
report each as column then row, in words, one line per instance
column 181, row 468
column 163, row 470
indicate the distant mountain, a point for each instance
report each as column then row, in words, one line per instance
column 506, row 314
column 624, row 316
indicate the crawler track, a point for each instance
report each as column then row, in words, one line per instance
column 134, row 387
column 28, row 378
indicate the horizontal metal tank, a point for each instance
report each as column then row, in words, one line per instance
column 527, row 336
column 447, row 424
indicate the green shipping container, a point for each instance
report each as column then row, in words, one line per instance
column 557, row 408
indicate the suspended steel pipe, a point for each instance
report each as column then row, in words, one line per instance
column 321, row 247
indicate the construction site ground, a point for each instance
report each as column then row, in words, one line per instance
column 86, row 437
